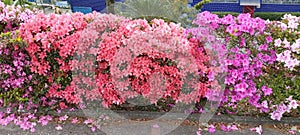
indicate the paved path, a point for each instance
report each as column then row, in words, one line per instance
column 125, row 129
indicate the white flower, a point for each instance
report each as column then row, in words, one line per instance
column 278, row 42
column 257, row 129
column 295, row 47
column 59, row 127
column 287, row 43
column 293, row 25
column 293, row 104
column 283, row 26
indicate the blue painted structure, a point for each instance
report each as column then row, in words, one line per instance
column 235, row 7
column 95, row 5
column 99, row 5
column 84, row 10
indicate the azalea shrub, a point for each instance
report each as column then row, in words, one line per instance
column 14, row 72
column 19, row 87
column 250, row 51
column 284, row 76
column 51, row 41
column 23, row 98
column 131, row 54
column 11, row 17
column 62, row 50
column 50, row 62
column 57, row 61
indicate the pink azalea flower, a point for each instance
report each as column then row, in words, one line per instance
column 43, row 120
column 63, row 118
column 276, row 116
column 8, row 110
column 48, row 117
column 199, row 131
column 75, row 120
column 263, row 47
column 93, row 128
column 156, row 126
column 211, row 129
column 32, row 130
column 267, row 91
column 224, row 128
column 58, row 111
column 233, row 127
column 269, row 39
column 88, row 121
column 241, row 87
column 292, row 132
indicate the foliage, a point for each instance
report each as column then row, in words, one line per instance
column 21, row 3
column 175, row 11
column 272, row 16
column 200, row 4
column 222, row 14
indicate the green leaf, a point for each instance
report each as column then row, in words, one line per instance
column 7, row 2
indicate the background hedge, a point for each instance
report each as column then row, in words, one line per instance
column 264, row 15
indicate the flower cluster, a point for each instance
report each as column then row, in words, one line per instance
column 284, row 107
column 51, row 43
column 16, row 80
column 87, row 79
column 287, row 47
column 19, row 91
column 248, row 53
column 134, row 55
column 284, row 77
column 12, row 16
column 13, row 74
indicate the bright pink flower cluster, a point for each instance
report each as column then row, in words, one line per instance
column 248, row 52
column 51, row 43
column 85, row 70
column 16, row 81
column 155, row 52
column 13, row 75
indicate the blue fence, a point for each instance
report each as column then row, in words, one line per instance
column 235, row 7
column 99, row 5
